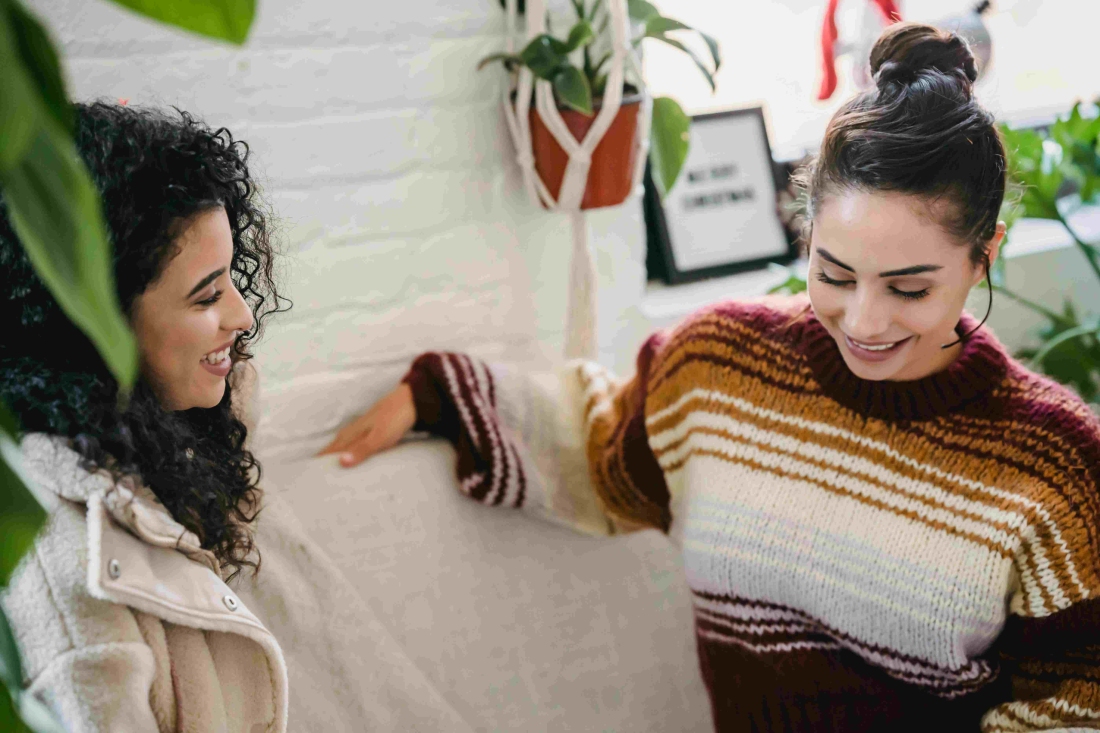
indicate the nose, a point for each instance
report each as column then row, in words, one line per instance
column 237, row 315
column 866, row 316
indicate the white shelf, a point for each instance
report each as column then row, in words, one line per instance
column 671, row 302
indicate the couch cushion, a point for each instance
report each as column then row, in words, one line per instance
column 520, row 625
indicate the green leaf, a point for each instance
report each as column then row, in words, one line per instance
column 228, row 20
column 9, row 720
column 9, row 426
column 599, row 85
column 544, row 55
column 1030, row 166
column 11, row 669
column 669, row 142
column 698, row 62
column 41, row 63
column 659, row 25
column 604, row 25
column 792, row 286
column 715, row 50
column 571, row 87
column 1075, row 127
column 599, row 64
column 55, row 211
column 1069, row 352
column 641, row 10
column 1078, row 138
column 19, row 108
column 509, row 60
column 580, row 35
column 20, row 518
column 1064, row 336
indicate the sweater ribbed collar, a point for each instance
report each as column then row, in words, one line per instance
column 979, row 367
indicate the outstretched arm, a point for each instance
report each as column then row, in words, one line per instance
column 570, row 446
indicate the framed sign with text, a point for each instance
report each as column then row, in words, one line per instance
column 722, row 215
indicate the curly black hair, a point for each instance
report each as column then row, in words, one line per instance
column 154, row 170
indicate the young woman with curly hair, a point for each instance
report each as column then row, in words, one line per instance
column 121, row 609
column 142, row 606
column 887, row 523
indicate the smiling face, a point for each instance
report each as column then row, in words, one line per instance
column 187, row 320
column 889, row 284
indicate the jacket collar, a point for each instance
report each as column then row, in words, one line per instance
column 57, row 469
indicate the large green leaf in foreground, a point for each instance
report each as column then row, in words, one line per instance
column 54, row 208
column 227, row 20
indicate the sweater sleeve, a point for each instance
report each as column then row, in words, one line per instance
column 570, row 446
column 1053, row 664
column 1050, row 645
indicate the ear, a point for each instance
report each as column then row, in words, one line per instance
column 992, row 249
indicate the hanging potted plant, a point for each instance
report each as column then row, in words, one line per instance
column 576, row 67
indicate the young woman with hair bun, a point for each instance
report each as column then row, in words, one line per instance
column 887, row 523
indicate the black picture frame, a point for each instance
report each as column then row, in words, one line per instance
column 661, row 260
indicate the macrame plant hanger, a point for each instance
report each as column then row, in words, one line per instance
column 580, row 338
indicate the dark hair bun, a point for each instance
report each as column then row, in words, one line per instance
column 906, row 49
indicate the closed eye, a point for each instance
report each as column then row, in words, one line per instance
column 822, row 277
column 906, row 294
column 910, row 294
column 211, row 300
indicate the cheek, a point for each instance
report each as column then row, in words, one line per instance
column 931, row 316
column 192, row 336
column 173, row 347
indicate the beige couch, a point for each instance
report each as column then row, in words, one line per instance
column 514, row 624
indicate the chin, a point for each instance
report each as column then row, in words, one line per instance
column 214, row 399
column 208, row 399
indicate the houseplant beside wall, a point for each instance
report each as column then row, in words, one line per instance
column 576, row 67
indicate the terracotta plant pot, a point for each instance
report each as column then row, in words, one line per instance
column 611, row 174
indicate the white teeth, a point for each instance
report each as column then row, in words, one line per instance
column 217, row 357
column 882, row 347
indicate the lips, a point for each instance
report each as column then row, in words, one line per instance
column 872, row 351
column 218, row 362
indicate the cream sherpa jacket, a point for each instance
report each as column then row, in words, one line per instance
column 124, row 623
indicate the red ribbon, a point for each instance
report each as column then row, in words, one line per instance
column 828, row 42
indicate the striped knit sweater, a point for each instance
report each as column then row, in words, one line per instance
column 861, row 555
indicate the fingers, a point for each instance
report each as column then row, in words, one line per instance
column 348, row 434
column 380, row 428
column 360, row 450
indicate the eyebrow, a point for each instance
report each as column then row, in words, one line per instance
column 206, row 281
column 914, row 270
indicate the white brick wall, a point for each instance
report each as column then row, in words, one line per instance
column 384, row 155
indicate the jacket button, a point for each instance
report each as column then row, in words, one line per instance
column 114, row 569
column 230, row 603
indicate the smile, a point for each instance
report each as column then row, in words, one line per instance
column 218, row 362
column 217, row 357
column 875, row 347
column 867, row 351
